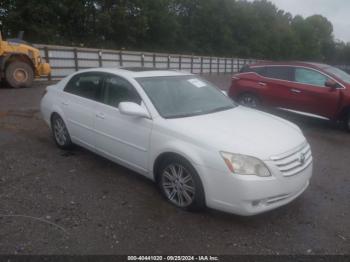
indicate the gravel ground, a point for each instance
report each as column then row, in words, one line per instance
column 56, row 202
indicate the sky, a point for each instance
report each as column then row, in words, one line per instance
column 336, row 11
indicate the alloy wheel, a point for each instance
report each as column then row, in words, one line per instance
column 178, row 185
column 60, row 132
column 249, row 101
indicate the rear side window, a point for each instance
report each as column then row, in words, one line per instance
column 119, row 90
column 247, row 69
column 87, row 85
column 258, row 70
column 279, row 72
column 311, row 77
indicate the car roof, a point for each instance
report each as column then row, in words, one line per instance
column 293, row 63
column 138, row 72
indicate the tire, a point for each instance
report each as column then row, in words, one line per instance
column 19, row 74
column 347, row 121
column 60, row 133
column 180, row 184
column 249, row 100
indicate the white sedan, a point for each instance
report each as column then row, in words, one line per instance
column 175, row 128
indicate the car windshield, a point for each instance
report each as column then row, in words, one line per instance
column 338, row 73
column 183, row 96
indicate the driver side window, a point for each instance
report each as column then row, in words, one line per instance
column 311, row 77
column 119, row 90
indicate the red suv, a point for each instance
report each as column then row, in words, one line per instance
column 308, row 88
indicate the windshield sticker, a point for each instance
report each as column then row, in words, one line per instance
column 196, row 82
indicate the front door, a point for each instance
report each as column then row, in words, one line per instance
column 309, row 93
column 123, row 138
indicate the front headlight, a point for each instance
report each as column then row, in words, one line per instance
column 245, row 165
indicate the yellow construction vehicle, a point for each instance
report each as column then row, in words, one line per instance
column 20, row 62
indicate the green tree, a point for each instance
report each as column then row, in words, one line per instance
column 209, row 27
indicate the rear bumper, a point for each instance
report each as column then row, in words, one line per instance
column 250, row 195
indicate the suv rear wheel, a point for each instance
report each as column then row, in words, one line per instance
column 347, row 121
column 249, row 100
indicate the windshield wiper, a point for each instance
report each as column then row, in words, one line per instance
column 201, row 112
column 219, row 109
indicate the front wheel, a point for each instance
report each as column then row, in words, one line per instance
column 181, row 185
column 249, row 100
column 19, row 74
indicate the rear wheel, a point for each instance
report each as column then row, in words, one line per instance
column 249, row 100
column 60, row 132
column 180, row 184
column 19, row 74
column 347, row 121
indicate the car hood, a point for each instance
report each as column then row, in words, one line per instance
column 240, row 130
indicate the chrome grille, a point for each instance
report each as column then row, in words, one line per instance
column 294, row 161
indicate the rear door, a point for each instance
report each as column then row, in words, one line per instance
column 309, row 94
column 276, row 83
column 79, row 100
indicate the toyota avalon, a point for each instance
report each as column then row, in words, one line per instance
column 201, row 148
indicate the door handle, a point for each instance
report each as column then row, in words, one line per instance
column 296, row 91
column 64, row 103
column 100, row 115
column 262, row 84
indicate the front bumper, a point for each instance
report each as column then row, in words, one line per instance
column 250, row 195
column 43, row 69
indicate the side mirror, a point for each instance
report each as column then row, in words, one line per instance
column 133, row 109
column 331, row 84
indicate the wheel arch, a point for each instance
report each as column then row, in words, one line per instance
column 170, row 154
column 57, row 111
column 8, row 59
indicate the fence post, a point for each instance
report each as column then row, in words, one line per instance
column 76, row 59
column 238, row 66
column 191, row 64
column 231, row 65
column 154, row 60
column 142, row 60
column 47, row 58
column 99, row 53
column 120, row 58
column 218, row 65
column 225, row 64
column 168, row 62
column 210, row 61
column 180, row 62
column 201, row 64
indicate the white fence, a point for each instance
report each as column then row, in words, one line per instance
column 66, row 60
